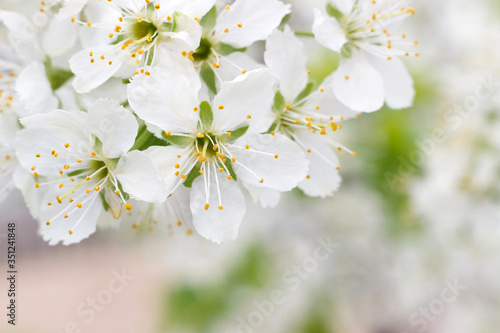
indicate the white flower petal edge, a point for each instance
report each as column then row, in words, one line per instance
column 90, row 75
column 357, row 84
column 246, row 99
column 398, row 83
column 328, row 31
column 217, row 225
column 114, row 125
column 35, row 91
column 137, row 173
column 250, row 21
column 285, row 57
column 275, row 159
column 164, row 102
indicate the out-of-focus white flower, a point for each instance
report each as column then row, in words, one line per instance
column 136, row 34
column 364, row 32
column 83, row 161
column 306, row 117
column 215, row 150
column 8, row 161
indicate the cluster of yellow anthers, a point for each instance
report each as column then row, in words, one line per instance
column 90, row 170
column 47, row 6
column 136, row 32
column 359, row 32
column 6, row 86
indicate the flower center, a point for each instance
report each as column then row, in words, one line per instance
column 142, row 30
column 204, row 51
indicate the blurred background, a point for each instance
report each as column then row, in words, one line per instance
column 409, row 243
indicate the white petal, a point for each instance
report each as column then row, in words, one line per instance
column 345, row 6
column 193, row 8
column 282, row 173
column 35, row 91
column 231, row 66
column 30, row 142
column 8, row 128
column 165, row 99
column 285, row 57
column 328, row 31
column 358, row 85
column 90, row 75
column 265, row 196
column 258, row 19
column 217, row 225
column 165, row 160
column 65, row 124
column 249, row 94
column 324, row 178
column 188, row 32
column 329, row 105
column 25, row 182
column 398, row 83
column 81, row 221
column 60, row 37
column 114, row 125
column 138, row 175
column 70, row 9
column 27, row 47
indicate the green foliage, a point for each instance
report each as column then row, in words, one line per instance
column 199, row 307
column 387, row 148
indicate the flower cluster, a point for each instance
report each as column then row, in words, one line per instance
column 171, row 112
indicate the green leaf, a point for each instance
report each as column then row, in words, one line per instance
column 178, row 140
column 208, row 76
column 226, row 49
column 208, row 21
column 229, row 166
column 279, row 102
column 334, row 12
column 193, row 174
column 236, row 134
column 305, row 92
column 206, row 115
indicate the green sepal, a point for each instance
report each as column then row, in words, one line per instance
column 178, row 140
column 286, row 19
column 229, row 166
column 104, row 202
column 192, row 175
column 209, row 20
column 279, row 102
column 226, row 49
column 334, row 12
column 306, row 92
column 57, row 76
column 236, row 134
column 208, row 76
column 206, row 115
